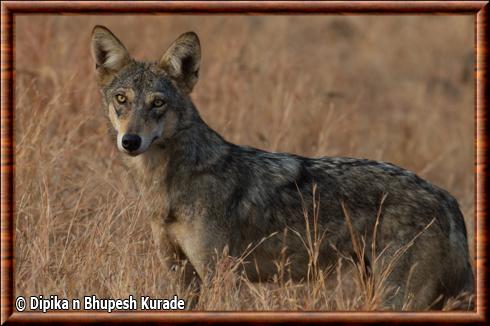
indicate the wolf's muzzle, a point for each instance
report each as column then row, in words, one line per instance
column 131, row 142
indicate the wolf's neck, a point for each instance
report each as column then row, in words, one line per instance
column 196, row 147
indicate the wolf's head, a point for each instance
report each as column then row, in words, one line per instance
column 147, row 103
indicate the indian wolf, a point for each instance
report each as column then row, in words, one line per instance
column 204, row 194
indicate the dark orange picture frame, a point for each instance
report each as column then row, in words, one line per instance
column 10, row 9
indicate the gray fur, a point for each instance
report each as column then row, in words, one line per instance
column 204, row 194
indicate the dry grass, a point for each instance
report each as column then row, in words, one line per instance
column 398, row 89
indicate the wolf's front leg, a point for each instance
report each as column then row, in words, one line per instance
column 162, row 245
column 177, row 263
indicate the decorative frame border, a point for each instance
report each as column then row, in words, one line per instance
column 9, row 9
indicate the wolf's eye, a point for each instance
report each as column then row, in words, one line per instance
column 158, row 103
column 120, row 98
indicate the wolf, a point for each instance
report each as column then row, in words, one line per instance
column 204, row 194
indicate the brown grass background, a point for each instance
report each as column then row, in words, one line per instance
column 392, row 88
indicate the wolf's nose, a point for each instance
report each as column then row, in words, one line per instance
column 131, row 142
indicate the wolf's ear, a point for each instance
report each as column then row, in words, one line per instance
column 109, row 54
column 182, row 60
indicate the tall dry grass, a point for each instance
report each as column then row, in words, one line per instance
column 398, row 89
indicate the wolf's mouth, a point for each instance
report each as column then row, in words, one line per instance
column 139, row 151
column 133, row 154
